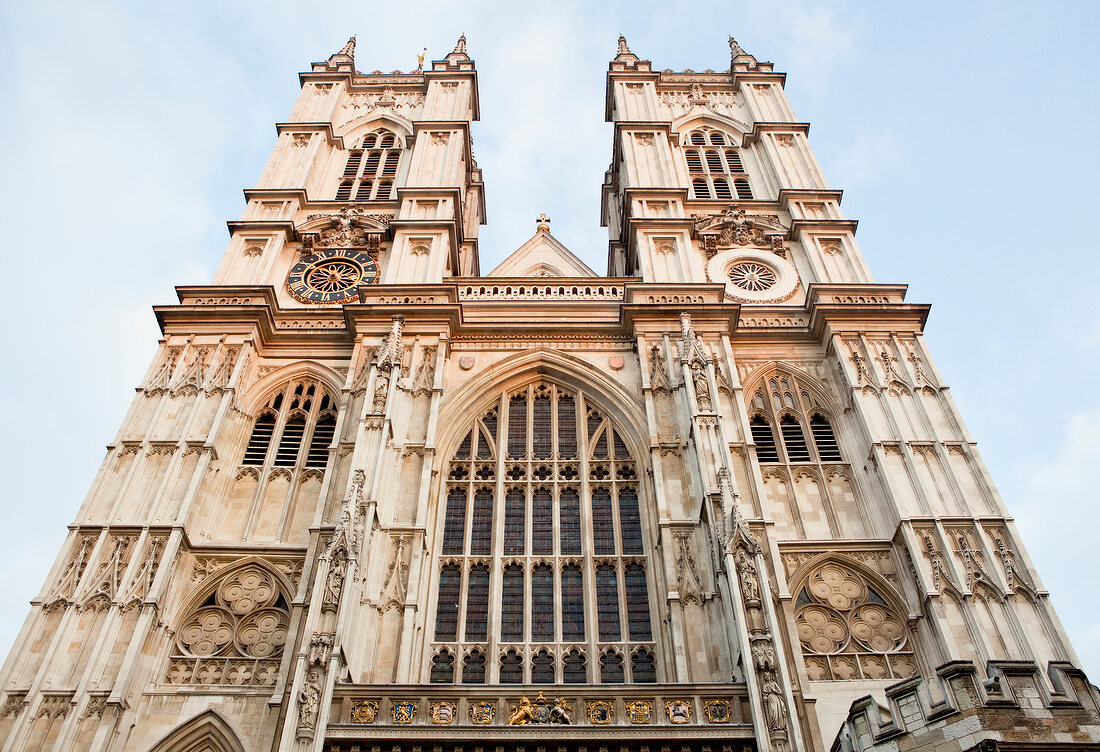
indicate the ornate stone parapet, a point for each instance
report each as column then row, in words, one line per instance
column 1014, row 707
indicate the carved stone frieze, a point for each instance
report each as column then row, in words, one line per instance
column 735, row 227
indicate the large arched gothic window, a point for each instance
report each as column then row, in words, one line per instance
column 714, row 165
column 542, row 563
column 371, row 168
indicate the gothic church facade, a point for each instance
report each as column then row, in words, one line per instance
column 367, row 497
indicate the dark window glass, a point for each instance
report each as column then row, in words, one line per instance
column 542, row 438
column 511, row 607
column 542, row 668
column 454, row 526
column 762, row 436
column 463, row 451
column 620, row 447
column 599, row 449
column 643, row 669
column 293, row 431
column 701, row 188
column 630, row 525
column 515, row 523
column 572, row 604
column 490, row 422
column 511, row 668
column 573, row 668
column 607, row 603
column 542, row 604
column 569, row 513
column 567, row 427
column 481, row 527
column 477, row 604
column 637, row 603
column 517, row 426
column 743, row 190
column 603, row 526
column 793, row 439
column 351, row 169
column 717, row 138
column 611, row 668
column 443, row 668
column 260, row 440
column 694, row 163
column 484, row 448
column 594, row 421
column 473, row 668
column 714, row 161
column 446, row 612
column 733, row 159
column 542, row 522
column 824, row 439
column 722, row 189
column 318, row 445
column 698, row 138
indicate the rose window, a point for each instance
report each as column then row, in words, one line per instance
column 752, row 276
column 847, row 629
column 236, row 635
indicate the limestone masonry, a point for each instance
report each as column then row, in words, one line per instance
column 370, row 498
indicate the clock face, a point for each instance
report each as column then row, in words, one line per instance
column 331, row 276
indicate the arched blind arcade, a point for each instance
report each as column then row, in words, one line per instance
column 542, row 562
column 371, row 168
column 715, row 167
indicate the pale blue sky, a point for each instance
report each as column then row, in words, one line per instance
column 961, row 133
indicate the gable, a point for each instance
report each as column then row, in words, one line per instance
column 542, row 256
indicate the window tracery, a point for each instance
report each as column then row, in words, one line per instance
column 371, row 168
column 805, row 433
column 848, row 630
column 294, row 428
column 236, row 634
column 715, row 166
column 542, row 525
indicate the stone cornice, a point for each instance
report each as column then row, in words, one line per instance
column 760, row 128
column 863, row 308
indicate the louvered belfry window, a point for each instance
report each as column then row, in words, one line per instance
column 371, row 168
column 783, row 406
column 294, row 429
column 542, row 523
column 715, row 167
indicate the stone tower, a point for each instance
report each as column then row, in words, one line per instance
column 366, row 496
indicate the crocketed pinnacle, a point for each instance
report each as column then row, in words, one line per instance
column 349, row 48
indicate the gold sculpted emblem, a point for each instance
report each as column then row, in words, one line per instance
column 540, row 711
column 482, row 713
column 678, row 711
column 443, row 713
column 364, row 711
column 639, row 712
column 403, row 712
column 600, row 712
column 717, row 711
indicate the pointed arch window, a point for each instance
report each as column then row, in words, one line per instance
column 371, row 168
column 295, row 428
column 783, row 402
column 714, row 166
column 570, row 509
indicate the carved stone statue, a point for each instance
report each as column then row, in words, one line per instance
column 334, row 584
column 309, row 700
column 750, row 585
column 381, row 391
column 775, row 709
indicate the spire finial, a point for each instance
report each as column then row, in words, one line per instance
column 623, row 49
column 349, row 48
column 543, row 223
column 420, row 60
column 460, row 47
column 735, row 48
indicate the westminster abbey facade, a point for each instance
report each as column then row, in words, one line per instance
column 370, row 496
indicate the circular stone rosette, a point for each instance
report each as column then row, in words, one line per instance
column 753, row 276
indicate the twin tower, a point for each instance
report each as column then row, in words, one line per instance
column 368, row 497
